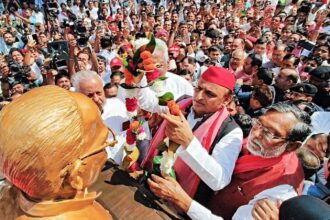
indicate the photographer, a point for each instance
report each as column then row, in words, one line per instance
column 20, row 72
column 81, row 58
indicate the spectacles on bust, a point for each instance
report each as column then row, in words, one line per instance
column 102, row 147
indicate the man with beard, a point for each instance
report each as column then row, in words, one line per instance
column 272, row 170
column 8, row 42
column 320, row 77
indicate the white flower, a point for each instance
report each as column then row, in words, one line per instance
column 132, row 114
column 141, row 136
column 131, row 93
column 158, row 87
column 130, row 147
column 166, row 163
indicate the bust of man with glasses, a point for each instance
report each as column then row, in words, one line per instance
column 52, row 148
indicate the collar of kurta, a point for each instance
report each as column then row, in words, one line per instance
column 54, row 208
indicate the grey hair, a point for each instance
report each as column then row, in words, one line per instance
column 300, row 130
column 161, row 46
column 82, row 76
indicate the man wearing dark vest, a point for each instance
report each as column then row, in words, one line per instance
column 210, row 140
column 271, row 170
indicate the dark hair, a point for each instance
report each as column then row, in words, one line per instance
column 227, row 37
column 309, row 107
column 291, row 56
column 62, row 73
column 301, row 129
column 263, row 94
column 245, row 123
column 12, row 50
column 116, row 73
column 261, row 40
column 256, row 60
column 184, row 72
column 109, row 85
column 266, row 75
column 213, row 49
column 191, row 60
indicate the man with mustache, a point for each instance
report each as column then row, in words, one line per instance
column 210, row 140
column 272, row 170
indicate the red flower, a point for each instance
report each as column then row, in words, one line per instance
column 130, row 137
column 134, row 125
column 149, row 67
column 152, row 75
column 131, row 104
column 145, row 54
column 140, row 130
column 148, row 61
column 129, row 80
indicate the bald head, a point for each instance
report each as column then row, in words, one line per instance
column 90, row 84
column 286, row 79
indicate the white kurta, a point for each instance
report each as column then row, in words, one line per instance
column 216, row 169
column 282, row 192
column 114, row 114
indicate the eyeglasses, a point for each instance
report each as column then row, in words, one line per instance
column 102, row 147
column 266, row 132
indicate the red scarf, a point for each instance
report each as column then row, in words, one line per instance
column 205, row 133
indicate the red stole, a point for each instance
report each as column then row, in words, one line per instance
column 252, row 175
column 160, row 136
column 205, row 133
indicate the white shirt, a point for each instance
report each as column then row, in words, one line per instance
column 147, row 98
column 147, row 101
column 114, row 114
column 93, row 13
column 216, row 169
column 282, row 192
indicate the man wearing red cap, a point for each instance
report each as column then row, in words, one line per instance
column 210, row 140
column 270, row 171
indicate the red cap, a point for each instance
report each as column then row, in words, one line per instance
column 116, row 62
column 162, row 33
column 174, row 49
column 109, row 19
column 219, row 76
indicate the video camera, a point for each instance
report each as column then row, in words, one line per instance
column 51, row 9
column 19, row 72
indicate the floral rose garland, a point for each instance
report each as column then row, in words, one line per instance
column 142, row 62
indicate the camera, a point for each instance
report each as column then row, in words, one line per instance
column 20, row 73
column 305, row 7
column 82, row 41
column 51, row 9
column 58, row 52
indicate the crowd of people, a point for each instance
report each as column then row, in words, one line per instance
column 252, row 77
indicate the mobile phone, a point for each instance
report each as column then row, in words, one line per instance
column 35, row 38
